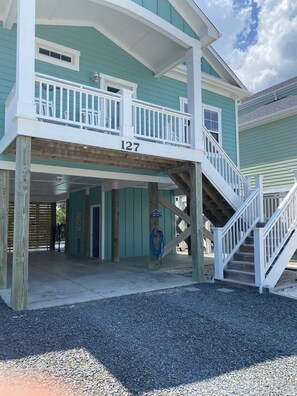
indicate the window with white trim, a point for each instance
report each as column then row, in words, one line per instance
column 56, row 54
column 212, row 120
column 114, row 84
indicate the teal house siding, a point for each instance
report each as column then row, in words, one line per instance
column 164, row 9
column 206, row 68
column 95, row 196
column 134, row 222
column 7, row 68
column 227, row 106
column 77, row 228
column 270, row 150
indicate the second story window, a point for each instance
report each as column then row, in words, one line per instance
column 212, row 121
column 57, row 54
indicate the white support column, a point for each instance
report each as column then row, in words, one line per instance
column 19, row 289
column 259, row 257
column 4, row 209
column 218, row 252
column 195, row 95
column 259, row 185
column 25, row 66
column 126, row 113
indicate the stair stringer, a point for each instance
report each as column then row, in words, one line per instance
column 281, row 262
column 220, row 184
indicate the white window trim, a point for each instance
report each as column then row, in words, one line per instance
column 106, row 80
column 61, row 49
column 183, row 100
column 219, row 111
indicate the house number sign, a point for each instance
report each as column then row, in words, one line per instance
column 130, row 146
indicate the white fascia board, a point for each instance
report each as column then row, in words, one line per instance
column 210, row 83
column 197, row 20
column 221, row 67
column 268, row 119
column 150, row 19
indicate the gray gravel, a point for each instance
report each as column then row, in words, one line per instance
column 204, row 340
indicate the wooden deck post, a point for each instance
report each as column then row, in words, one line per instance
column 197, row 222
column 153, row 221
column 4, row 209
column 19, row 289
column 115, row 225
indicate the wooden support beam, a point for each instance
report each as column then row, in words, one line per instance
column 153, row 221
column 19, row 289
column 169, row 205
column 181, row 237
column 4, row 210
column 197, row 222
column 115, row 225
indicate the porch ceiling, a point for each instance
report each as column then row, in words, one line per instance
column 51, row 186
column 148, row 38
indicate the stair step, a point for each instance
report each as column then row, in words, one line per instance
column 239, row 276
column 244, row 256
column 241, row 266
column 231, row 282
column 246, row 248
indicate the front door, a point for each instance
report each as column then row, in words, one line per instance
column 95, row 231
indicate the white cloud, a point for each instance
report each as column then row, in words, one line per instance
column 273, row 56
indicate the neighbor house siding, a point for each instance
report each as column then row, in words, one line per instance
column 166, row 11
column 270, row 150
column 227, row 105
column 7, row 68
column 134, row 218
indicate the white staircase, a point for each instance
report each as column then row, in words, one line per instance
column 255, row 245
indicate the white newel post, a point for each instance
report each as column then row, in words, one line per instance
column 218, row 252
column 126, row 114
column 195, row 95
column 25, row 66
column 259, row 257
column 259, row 185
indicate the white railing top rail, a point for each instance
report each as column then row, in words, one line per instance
column 226, row 167
column 237, row 229
column 161, row 108
column 280, row 226
column 70, row 84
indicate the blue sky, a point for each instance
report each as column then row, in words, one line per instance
column 258, row 38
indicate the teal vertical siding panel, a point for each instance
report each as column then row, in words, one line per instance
column 145, row 232
column 76, row 212
column 7, row 68
column 166, row 11
column 123, row 235
column 95, row 196
column 137, row 221
column 206, row 68
column 227, row 105
column 129, row 222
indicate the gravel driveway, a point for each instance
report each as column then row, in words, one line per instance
column 198, row 340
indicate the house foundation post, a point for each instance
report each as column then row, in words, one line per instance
column 115, row 225
column 19, row 289
column 4, row 209
column 197, row 222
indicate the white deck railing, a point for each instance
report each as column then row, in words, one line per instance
column 229, row 238
column 160, row 124
column 224, row 165
column 271, row 202
column 279, row 227
column 76, row 105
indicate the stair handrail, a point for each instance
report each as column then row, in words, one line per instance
column 279, row 228
column 229, row 238
column 224, row 165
